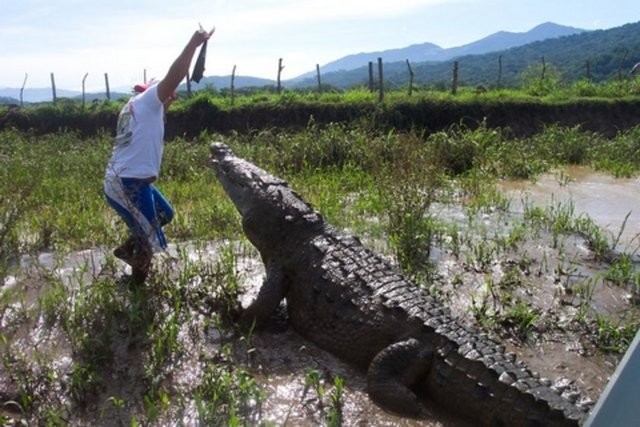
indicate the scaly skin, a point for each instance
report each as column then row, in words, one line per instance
column 354, row 304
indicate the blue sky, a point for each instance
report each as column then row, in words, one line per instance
column 123, row 38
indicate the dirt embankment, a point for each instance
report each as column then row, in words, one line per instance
column 522, row 117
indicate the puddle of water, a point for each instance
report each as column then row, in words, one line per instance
column 603, row 198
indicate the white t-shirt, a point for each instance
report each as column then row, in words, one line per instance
column 139, row 137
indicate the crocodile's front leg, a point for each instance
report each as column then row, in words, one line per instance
column 272, row 291
column 394, row 371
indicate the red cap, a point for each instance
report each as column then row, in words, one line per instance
column 141, row 87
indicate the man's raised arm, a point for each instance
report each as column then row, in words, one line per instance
column 180, row 66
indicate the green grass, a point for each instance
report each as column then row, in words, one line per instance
column 551, row 90
column 52, row 193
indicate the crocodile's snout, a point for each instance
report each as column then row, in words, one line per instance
column 220, row 151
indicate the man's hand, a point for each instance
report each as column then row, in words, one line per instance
column 201, row 35
column 180, row 66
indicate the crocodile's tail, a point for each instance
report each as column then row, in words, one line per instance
column 490, row 390
column 497, row 391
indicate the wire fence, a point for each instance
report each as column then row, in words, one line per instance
column 376, row 80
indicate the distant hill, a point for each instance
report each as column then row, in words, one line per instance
column 505, row 40
column 35, row 94
column 608, row 53
column 415, row 53
column 6, row 100
column 426, row 52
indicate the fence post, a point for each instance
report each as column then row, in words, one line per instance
column 24, row 82
column 53, row 88
column 280, row 68
column 83, row 91
column 371, row 85
column 544, row 69
column 454, row 79
column 319, row 81
column 233, row 86
column 380, row 81
column 106, row 85
column 411, row 76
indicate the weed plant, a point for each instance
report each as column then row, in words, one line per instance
column 331, row 412
column 409, row 183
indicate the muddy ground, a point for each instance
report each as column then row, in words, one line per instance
column 558, row 281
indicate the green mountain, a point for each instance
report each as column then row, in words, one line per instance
column 608, row 53
column 427, row 52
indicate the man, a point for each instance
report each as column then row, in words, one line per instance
column 135, row 164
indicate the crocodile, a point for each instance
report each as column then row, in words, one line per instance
column 358, row 306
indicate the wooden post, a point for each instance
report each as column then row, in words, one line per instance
column 380, row 81
column 280, row 68
column 319, row 81
column 106, row 85
column 371, row 84
column 454, row 79
column 233, row 86
column 83, row 92
column 53, row 88
column 544, row 69
column 188, row 84
column 499, row 72
column 411, row 76
column 24, row 82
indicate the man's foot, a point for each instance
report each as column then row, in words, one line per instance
column 138, row 255
column 140, row 263
column 138, row 276
column 125, row 250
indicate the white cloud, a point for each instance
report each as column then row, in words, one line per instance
column 269, row 14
